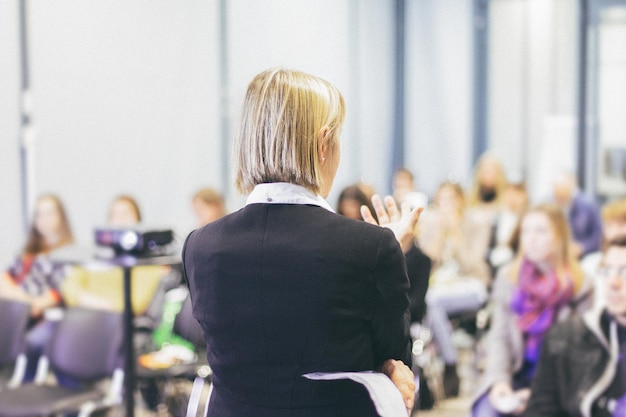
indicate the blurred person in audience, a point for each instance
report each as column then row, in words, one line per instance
column 613, row 225
column 124, row 211
column 34, row 278
column 350, row 201
column 543, row 285
column 514, row 204
column 582, row 369
column 208, row 205
column 487, row 188
column 581, row 211
column 404, row 189
column 456, row 241
column 314, row 291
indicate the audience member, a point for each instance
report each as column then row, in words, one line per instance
column 34, row 278
column 311, row 290
column 581, row 211
column 544, row 284
column 208, row 205
column 488, row 184
column 514, row 204
column 457, row 243
column 582, row 371
column 350, row 201
column 404, row 189
column 124, row 211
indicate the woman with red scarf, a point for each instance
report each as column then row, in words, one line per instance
column 543, row 285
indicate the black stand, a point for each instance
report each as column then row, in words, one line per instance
column 127, row 263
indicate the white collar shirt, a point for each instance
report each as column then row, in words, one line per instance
column 285, row 193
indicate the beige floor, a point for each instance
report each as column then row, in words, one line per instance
column 455, row 407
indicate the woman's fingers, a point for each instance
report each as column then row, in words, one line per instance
column 367, row 215
column 392, row 209
column 403, row 379
column 381, row 212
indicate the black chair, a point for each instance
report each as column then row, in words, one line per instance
column 87, row 349
column 14, row 316
column 167, row 379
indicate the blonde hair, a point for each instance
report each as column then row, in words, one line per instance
column 566, row 261
column 614, row 211
column 283, row 114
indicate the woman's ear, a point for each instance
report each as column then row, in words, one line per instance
column 323, row 143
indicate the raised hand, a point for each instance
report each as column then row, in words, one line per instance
column 402, row 222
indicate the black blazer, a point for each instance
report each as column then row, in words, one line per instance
column 282, row 290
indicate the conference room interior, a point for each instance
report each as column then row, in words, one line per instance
column 103, row 98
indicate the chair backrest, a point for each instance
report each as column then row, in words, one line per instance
column 186, row 326
column 87, row 344
column 14, row 316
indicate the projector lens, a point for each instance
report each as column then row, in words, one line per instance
column 129, row 240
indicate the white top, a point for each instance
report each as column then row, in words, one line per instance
column 285, row 193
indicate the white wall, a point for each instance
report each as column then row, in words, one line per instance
column 439, row 90
column 11, row 222
column 533, row 88
column 125, row 100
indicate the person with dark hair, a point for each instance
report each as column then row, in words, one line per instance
column 350, row 201
column 581, row 370
column 285, row 288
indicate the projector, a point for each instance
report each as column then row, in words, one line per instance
column 138, row 241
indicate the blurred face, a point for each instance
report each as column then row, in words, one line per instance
column 538, row 239
column 402, row 184
column 448, row 201
column 122, row 213
column 48, row 220
column 613, row 278
column 488, row 176
column 563, row 190
column 206, row 213
column 515, row 199
column 351, row 208
column 614, row 229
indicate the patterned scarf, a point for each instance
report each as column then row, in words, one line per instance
column 536, row 302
